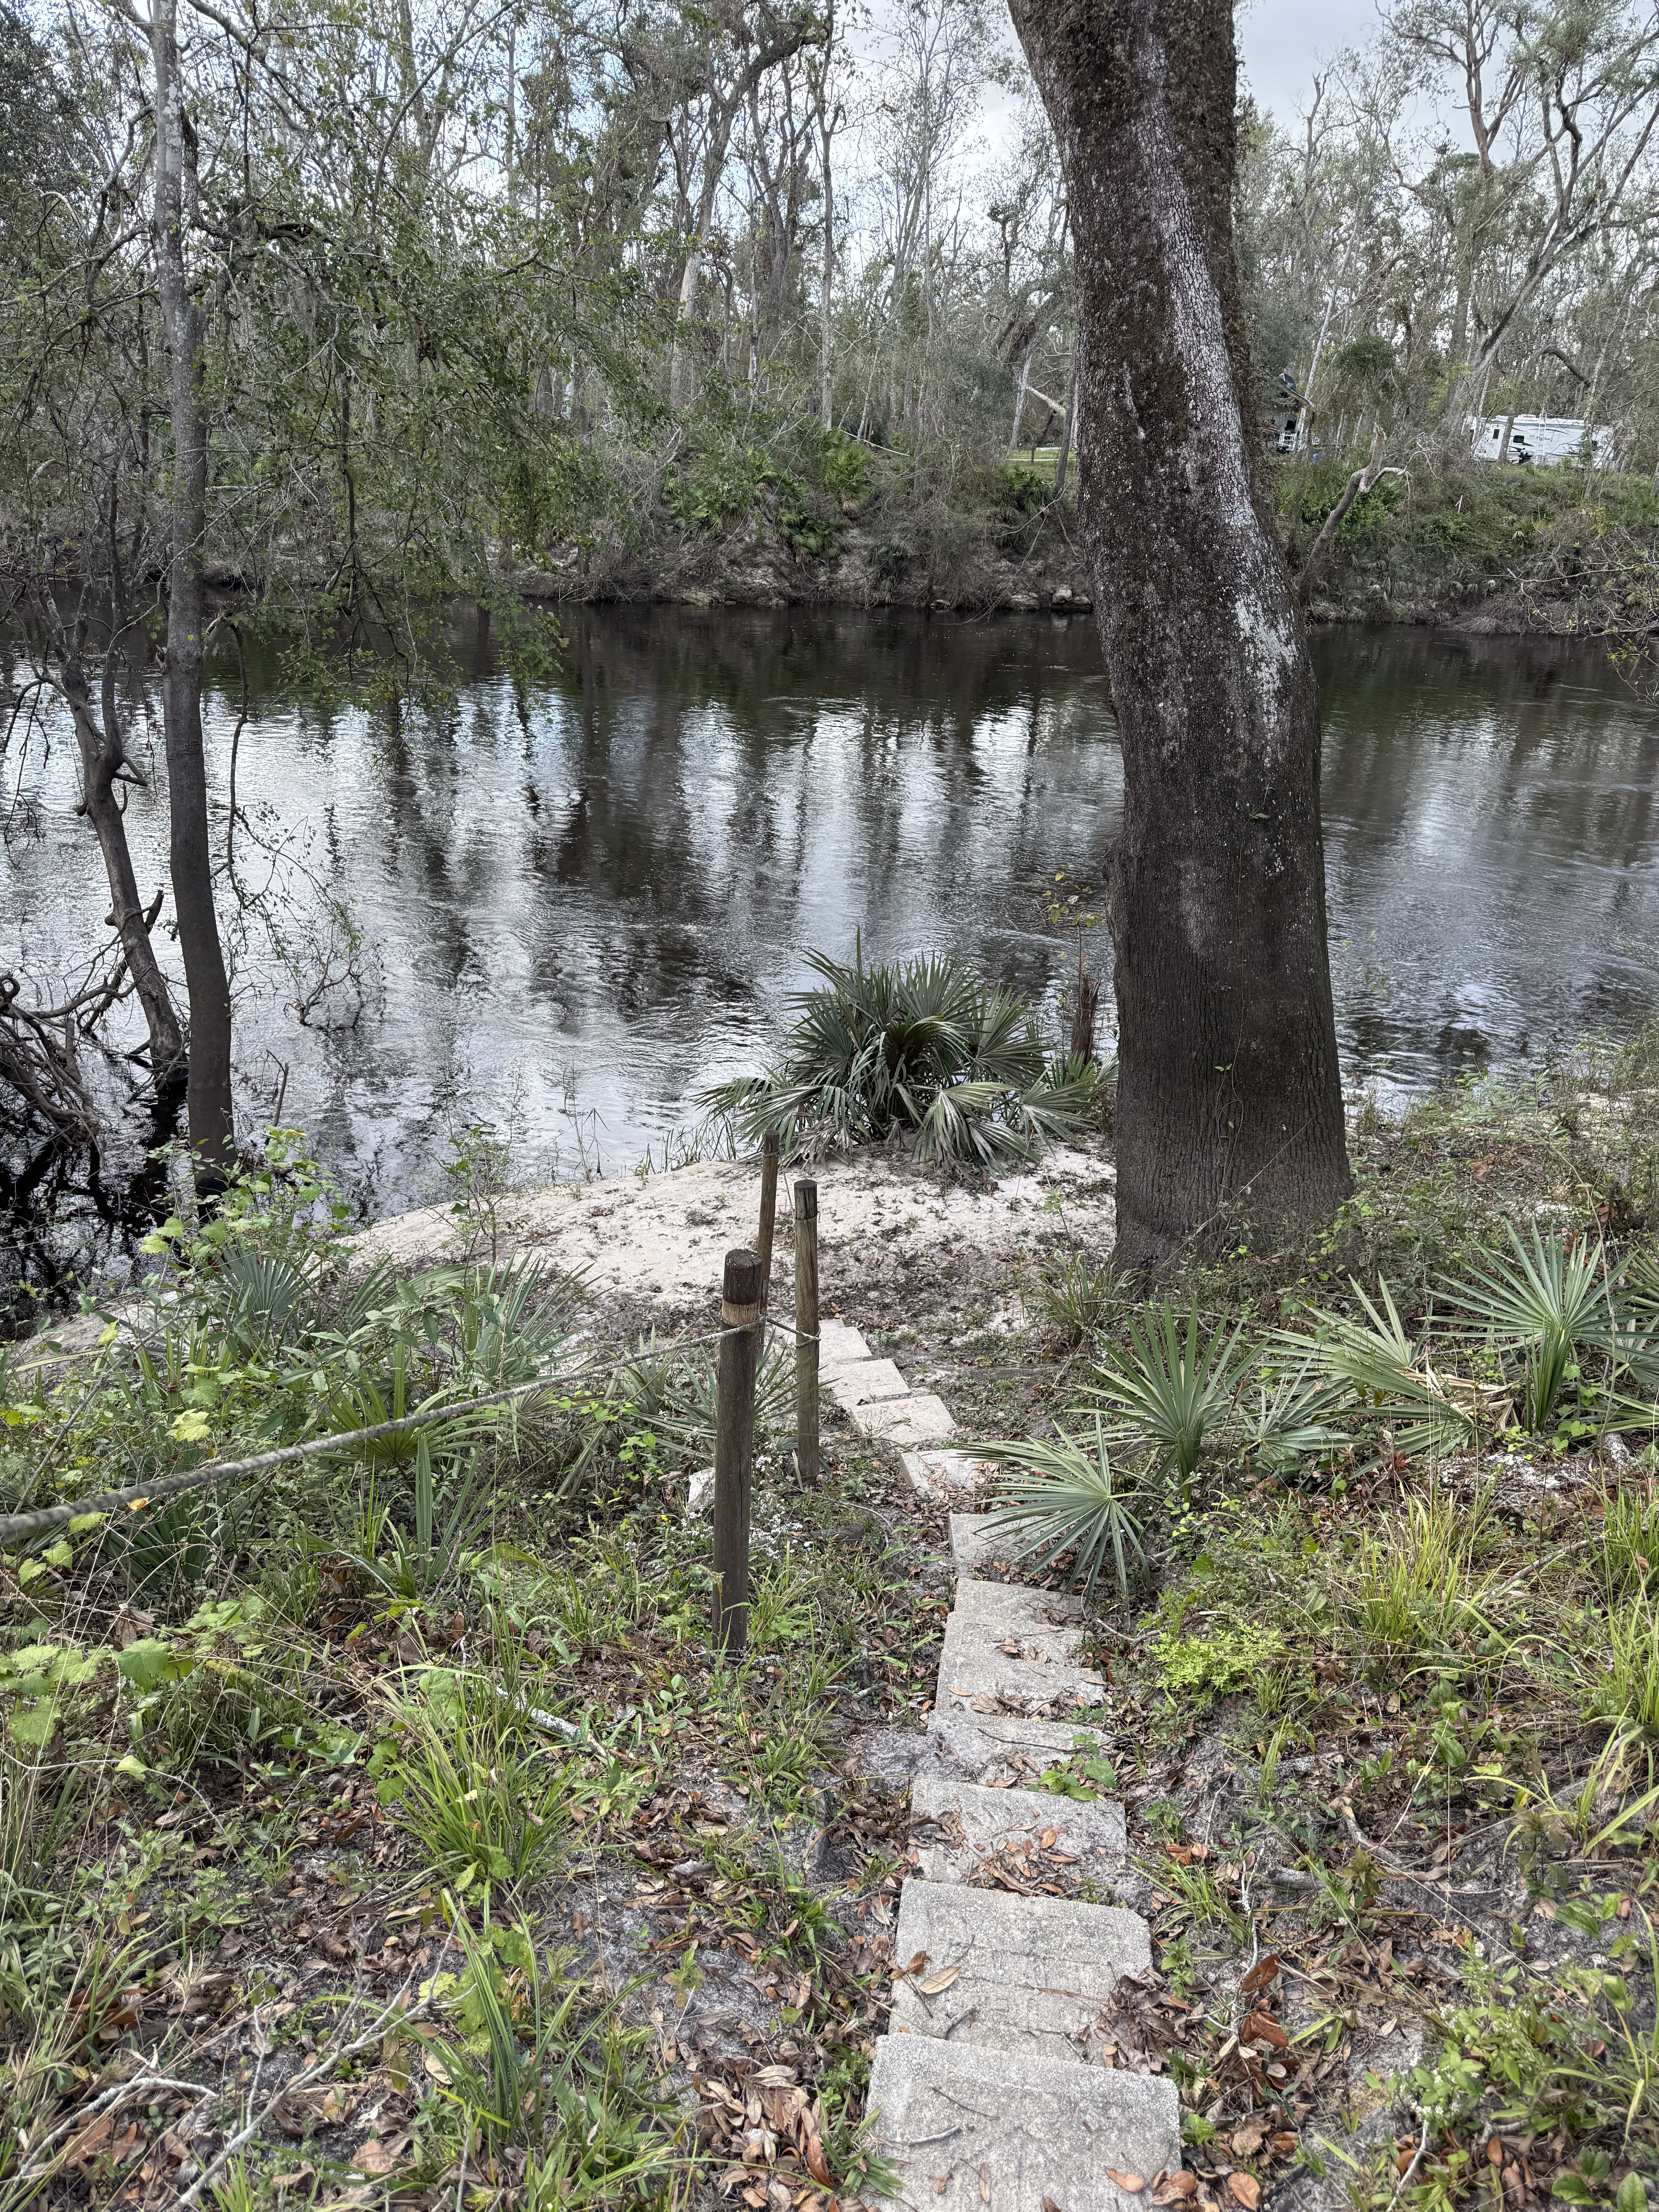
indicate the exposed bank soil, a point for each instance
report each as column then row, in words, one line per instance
column 968, row 571
column 931, row 1270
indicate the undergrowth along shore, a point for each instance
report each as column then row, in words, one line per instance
column 396, row 1813
column 1511, row 550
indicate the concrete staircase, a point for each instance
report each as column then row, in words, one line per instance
column 983, row 2094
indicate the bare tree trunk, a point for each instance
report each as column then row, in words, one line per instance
column 826, row 280
column 1019, row 399
column 103, row 758
column 208, row 1099
column 1229, row 1095
column 1070, row 423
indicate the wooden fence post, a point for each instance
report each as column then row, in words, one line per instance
column 768, row 1214
column 806, row 1331
column 734, row 1445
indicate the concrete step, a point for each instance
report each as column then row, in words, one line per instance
column 875, row 1394
column 973, row 1546
column 1033, row 1972
column 840, row 1346
column 1044, row 1629
column 970, row 2130
column 1003, row 1750
column 909, row 1423
column 868, row 1383
column 945, row 1474
column 956, row 1824
column 996, row 1606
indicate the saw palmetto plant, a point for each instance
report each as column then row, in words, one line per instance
column 1371, row 1356
column 1067, row 1497
column 1544, row 1299
column 1171, row 1387
column 924, row 1051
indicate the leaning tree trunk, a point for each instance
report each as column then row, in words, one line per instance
column 103, row 758
column 1229, row 1100
column 208, row 1098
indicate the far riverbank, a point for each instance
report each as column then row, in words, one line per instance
column 1499, row 552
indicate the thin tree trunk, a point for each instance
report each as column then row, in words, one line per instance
column 1019, row 399
column 208, row 1099
column 102, row 758
column 1069, row 424
column 1229, row 1099
column 826, row 280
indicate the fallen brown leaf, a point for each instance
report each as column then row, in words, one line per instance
column 1244, row 2188
column 1264, row 1971
column 940, row 1980
column 1130, row 2184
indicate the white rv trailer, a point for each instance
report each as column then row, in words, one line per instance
column 1542, row 441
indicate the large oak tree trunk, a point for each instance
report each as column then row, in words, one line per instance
column 1228, row 1096
column 208, row 1098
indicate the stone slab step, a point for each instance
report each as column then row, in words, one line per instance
column 1003, row 1750
column 840, row 1346
column 910, row 1423
column 970, row 2130
column 946, row 1473
column 956, row 1824
column 875, row 1394
column 1017, row 1608
column 973, row 1546
column 1044, row 1629
column 1034, row 1972
column 868, row 1382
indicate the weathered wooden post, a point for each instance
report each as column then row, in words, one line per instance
column 734, row 1445
column 769, row 1212
column 806, row 1330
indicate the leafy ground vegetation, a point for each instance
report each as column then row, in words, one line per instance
column 1564, row 550
column 383, row 1830
column 1370, row 1529
column 387, row 1828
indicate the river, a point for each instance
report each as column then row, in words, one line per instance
column 568, row 912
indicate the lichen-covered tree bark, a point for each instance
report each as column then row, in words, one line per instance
column 1229, row 1098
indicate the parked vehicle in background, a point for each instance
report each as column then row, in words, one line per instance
column 1545, row 442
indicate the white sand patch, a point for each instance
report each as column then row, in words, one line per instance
column 665, row 1237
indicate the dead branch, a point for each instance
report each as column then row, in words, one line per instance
column 1362, row 481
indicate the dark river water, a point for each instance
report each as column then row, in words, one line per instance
column 573, row 910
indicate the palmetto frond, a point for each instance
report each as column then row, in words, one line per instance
column 1543, row 1297
column 1169, row 1386
column 1428, row 1410
column 1066, row 1497
column 923, row 1050
column 1543, row 1289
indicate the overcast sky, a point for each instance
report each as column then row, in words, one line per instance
column 1281, row 42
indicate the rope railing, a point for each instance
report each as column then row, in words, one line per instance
column 24, row 1527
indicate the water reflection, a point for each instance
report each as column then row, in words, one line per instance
column 577, row 907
